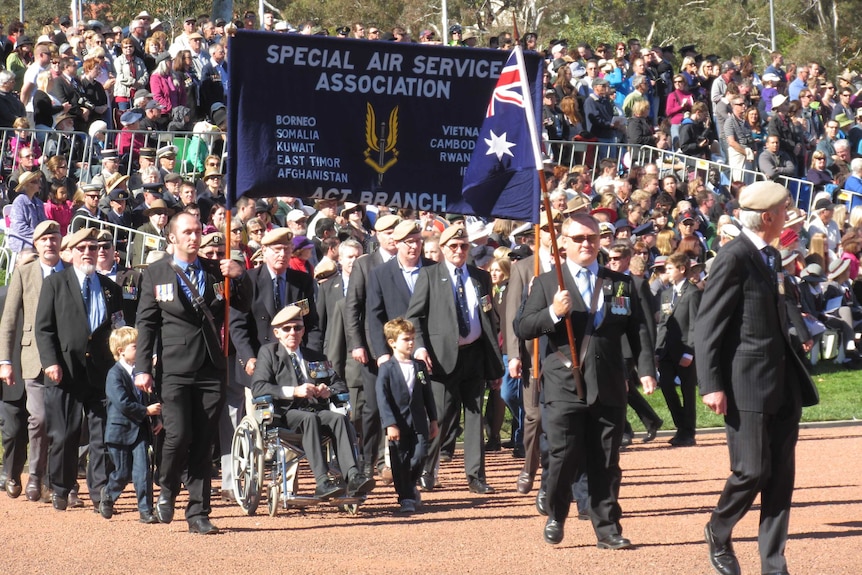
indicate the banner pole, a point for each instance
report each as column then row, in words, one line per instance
column 227, row 226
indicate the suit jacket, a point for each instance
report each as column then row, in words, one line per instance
column 15, row 392
column 388, row 297
column 355, row 324
column 677, row 322
column 127, row 415
column 250, row 330
column 330, row 315
column 742, row 343
column 22, row 299
column 398, row 406
column 603, row 369
column 432, row 311
column 274, row 371
column 185, row 339
column 62, row 332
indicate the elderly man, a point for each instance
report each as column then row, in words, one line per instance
column 748, row 372
column 182, row 309
column 449, row 295
column 77, row 310
column 585, row 429
column 821, row 221
column 22, row 298
column 854, row 182
column 284, row 372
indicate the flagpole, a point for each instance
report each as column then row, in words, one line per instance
column 546, row 202
column 226, row 324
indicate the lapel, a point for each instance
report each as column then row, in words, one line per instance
column 757, row 259
column 601, row 281
column 264, row 286
column 75, row 295
column 400, row 382
column 445, row 283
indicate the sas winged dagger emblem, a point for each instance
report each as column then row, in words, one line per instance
column 381, row 139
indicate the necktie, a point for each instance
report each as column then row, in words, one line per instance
column 278, row 292
column 585, row 287
column 300, row 378
column 463, row 310
column 87, row 295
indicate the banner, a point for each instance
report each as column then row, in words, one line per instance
column 362, row 121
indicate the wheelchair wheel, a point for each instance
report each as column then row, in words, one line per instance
column 247, row 460
column 272, row 500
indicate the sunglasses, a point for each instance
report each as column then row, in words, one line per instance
column 87, row 248
column 105, row 246
column 579, row 239
column 458, row 247
column 292, row 328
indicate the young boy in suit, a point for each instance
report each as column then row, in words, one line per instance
column 127, row 432
column 406, row 405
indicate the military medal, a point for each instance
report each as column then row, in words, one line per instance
column 165, row 292
column 219, row 291
column 485, row 303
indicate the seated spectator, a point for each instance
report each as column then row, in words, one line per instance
column 817, row 173
column 301, row 381
column 774, row 162
column 157, row 214
column 28, row 211
column 693, row 136
column 821, row 221
column 166, row 91
column 854, row 182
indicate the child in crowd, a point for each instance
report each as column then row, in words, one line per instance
column 406, row 406
column 59, row 206
column 127, row 431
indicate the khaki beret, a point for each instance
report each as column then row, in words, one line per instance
column 105, row 236
column 406, row 228
column 285, row 315
column 81, row 235
column 281, row 236
column 386, row 222
column 762, row 196
column 453, row 231
column 325, row 269
column 44, row 228
column 543, row 218
column 213, row 239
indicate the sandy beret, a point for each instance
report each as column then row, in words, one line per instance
column 213, row 239
column 285, row 315
column 406, row 228
column 762, row 196
column 386, row 222
column 44, row 228
column 281, row 236
column 454, row 231
column 105, row 236
column 81, row 235
column 543, row 218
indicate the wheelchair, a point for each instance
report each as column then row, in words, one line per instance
column 266, row 457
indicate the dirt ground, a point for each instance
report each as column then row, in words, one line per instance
column 666, row 497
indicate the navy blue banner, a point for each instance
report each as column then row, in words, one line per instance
column 361, row 121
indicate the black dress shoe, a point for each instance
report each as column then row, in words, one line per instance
column 106, row 508
column 525, row 482
column 493, row 445
column 329, row 489
column 445, row 457
column 480, row 487
column 359, row 484
column 202, row 526
column 13, row 487
column 627, row 440
column 508, row 444
column 33, row 491
column 721, row 556
column 59, row 503
column 518, row 452
column 542, row 502
column 148, row 518
column 426, row 482
column 165, row 509
column 75, row 502
column 614, row 542
column 583, row 516
column 553, row 531
column 683, row 441
column 652, row 431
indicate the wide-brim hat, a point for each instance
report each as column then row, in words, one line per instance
column 158, row 206
column 26, row 178
column 838, row 267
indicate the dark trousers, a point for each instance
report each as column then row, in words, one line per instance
column 636, row 401
column 371, row 435
column 464, row 386
column 65, row 414
column 13, row 425
column 131, row 463
column 407, row 456
column 588, row 436
column 683, row 412
column 762, row 460
column 191, row 405
column 313, row 425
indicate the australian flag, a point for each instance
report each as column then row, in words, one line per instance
column 502, row 179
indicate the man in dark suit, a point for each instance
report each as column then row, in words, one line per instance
column 456, row 337
column 301, row 381
column 675, row 348
column 191, row 362
column 250, row 330
column 358, row 337
column 331, row 296
column 587, row 431
column 77, row 310
column 748, row 372
column 20, row 366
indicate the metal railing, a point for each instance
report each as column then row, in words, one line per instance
column 124, row 239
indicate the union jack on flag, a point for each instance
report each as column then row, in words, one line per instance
column 509, row 89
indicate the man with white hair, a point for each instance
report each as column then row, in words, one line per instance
column 749, row 373
column 854, row 182
column 821, row 222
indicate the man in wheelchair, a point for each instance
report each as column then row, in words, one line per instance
column 301, row 382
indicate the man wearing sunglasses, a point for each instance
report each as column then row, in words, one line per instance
column 77, row 310
column 603, row 306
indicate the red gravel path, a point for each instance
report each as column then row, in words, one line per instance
column 666, row 497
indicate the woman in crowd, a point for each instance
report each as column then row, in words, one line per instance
column 166, row 90
column 46, row 105
column 131, row 74
column 666, row 242
column 817, row 174
column 758, row 133
column 639, row 129
column 94, row 92
column 187, row 81
column 300, row 259
column 679, row 102
column 28, row 211
column 574, row 123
